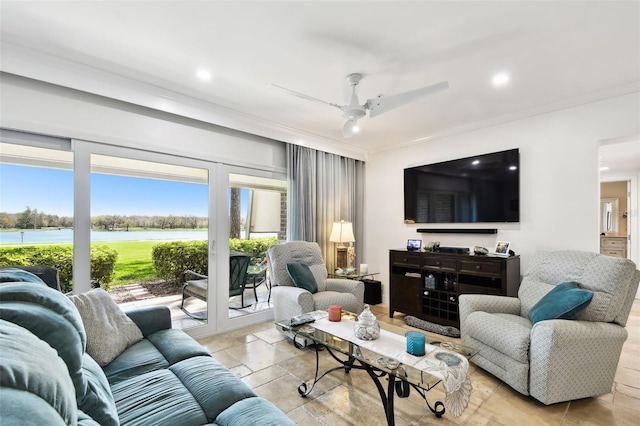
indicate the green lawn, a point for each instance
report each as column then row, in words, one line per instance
column 134, row 261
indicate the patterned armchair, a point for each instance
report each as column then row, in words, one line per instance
column 554, row 360
column 289, row 300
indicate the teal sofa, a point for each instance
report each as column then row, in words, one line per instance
column 167, row 378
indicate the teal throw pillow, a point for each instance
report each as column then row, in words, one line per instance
column 302, row 276
column 565, row 301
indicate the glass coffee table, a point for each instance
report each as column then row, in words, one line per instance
column 386, row 356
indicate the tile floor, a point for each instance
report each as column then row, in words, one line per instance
column 274, row 368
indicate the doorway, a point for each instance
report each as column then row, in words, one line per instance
column 619, row 162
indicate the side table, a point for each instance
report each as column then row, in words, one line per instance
column 372, row 287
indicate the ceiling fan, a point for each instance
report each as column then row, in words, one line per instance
column 353, row 111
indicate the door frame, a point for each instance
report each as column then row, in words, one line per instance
column 222, row 247
column 82, row 217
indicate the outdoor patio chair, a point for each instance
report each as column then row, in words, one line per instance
column 195, row 284
column 48, row 274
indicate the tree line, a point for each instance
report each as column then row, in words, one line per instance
column 34, row 219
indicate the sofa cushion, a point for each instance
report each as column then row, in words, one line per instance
column 302, row 276
column 220, row 391
column 156, row 397
column 99, row 399
column 138, row 359
column 176, row 345
column 506, row 333
column 564, row 301
column 253, row 411
column 180, row 392
column 160, row 350
column 31, row 372
column 14, row 403
column 109, row 330
column 52, row 317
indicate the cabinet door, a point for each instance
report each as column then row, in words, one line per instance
column 406, row 294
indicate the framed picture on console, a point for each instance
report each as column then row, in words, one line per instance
column 502, row 248
column 414, row 245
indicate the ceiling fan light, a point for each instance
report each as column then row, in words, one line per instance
column 350, row 127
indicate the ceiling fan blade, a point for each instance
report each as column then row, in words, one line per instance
column 303, row 96
column 383, row 103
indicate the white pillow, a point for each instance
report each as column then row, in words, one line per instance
column 109, row 330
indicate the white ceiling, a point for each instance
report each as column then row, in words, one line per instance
column 557, row 53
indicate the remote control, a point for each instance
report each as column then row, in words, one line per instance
column 301, row 320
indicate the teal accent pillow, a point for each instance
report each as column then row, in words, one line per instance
column 565, row 301
column 302, row 276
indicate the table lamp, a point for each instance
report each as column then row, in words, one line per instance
column 342, row 232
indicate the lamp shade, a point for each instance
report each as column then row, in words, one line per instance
column 342, row 232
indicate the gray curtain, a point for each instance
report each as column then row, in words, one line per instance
column 322, row 189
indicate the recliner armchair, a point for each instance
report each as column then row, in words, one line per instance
column 289, row 300
column 554, row 360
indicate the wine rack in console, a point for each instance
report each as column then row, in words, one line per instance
column 427, row 285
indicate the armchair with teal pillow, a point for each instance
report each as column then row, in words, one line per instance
column 561, row 338
column 302, row 261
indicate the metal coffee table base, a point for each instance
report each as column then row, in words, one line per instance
column 395, row 382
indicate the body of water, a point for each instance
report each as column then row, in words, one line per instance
column 66, row 236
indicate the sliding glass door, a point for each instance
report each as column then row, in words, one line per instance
column 149, row 228
column 153, row 215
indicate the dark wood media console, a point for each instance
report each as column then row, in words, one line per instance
column 413, row 293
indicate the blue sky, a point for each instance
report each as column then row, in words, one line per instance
column 48, row 190
column 51, row 192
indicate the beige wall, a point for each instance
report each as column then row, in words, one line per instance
column 617, row 190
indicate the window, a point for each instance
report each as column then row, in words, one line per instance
column 36, row 208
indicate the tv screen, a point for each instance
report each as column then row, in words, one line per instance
column 482, row 188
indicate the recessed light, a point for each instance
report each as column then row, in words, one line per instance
column 604, row 168
column 500, row 79
column 203, row 74
column 475, row 162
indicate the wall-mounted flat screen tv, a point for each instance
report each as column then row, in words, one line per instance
column 482, row 188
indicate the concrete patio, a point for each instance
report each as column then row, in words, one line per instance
column 180, row 320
